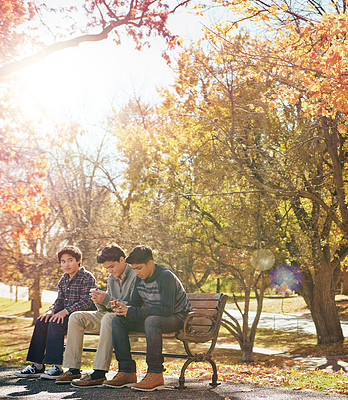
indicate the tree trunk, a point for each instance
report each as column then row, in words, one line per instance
column 345, row 282
column 320, row 298
column 247, row 351
column 36, row 299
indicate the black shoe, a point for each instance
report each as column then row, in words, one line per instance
column 52, row 373
column 30, row 372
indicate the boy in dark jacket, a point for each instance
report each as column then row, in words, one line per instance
column 158, row 305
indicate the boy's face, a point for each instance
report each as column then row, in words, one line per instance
column 116, row 268
column 144, row 270
column 69, row 264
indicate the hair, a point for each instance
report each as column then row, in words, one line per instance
column 113, row 252
column 140, row 255
column 72, row 251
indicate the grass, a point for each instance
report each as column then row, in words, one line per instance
column 268, row 370
column 20, row 308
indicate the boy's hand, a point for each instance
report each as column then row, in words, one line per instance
column 120, row 309
column 59, row 317
column 97, row 296
column 46, row 316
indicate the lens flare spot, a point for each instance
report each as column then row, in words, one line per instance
column 262, row 260
column 285, row 278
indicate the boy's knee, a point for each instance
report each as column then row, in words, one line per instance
column 107, row 319
column 152, row 322
column 55, row 326
column 117, row 322
column 41, row 324
column 74, row 318
column 78, row 318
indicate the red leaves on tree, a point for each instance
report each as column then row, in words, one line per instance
column 22, row 194
column 139, row 19
column 13, row 13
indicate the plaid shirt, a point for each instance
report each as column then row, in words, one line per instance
column 73, row 294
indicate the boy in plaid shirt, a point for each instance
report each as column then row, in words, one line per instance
column 47, row 342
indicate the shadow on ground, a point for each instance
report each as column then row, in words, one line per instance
column 23, row 388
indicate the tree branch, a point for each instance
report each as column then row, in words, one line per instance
column 20, row 64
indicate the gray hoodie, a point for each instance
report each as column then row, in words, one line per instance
column 116, row 290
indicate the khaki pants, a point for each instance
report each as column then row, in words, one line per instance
column 91, row 321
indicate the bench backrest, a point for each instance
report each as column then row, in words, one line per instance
column 211, row 304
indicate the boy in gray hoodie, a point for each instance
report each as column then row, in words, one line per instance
column 119, row 287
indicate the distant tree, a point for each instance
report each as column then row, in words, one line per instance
column 24, row 204
column 179, row 206
column 29, row 260
column 299, row 156
column 305, row 65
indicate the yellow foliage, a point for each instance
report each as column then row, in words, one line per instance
column 273, row 9
column 342, row 128
column 309, row 61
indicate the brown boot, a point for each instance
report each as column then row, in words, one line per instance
column 121, row 379
column 150, row 382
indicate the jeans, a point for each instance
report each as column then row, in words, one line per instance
column 153, row 326
column 47, row 342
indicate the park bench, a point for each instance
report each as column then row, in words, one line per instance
column 201, row 325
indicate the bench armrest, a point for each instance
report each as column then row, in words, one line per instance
column 189, row 334
column 192, row 314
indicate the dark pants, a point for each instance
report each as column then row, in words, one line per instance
column 153, row 327
column 47, row 342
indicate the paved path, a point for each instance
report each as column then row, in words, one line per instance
column 298, row 323
column 301, row 323
column 12, row 387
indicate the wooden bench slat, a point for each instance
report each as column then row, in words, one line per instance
column 142, row 335
column 201, row 328
column 211, row 313
column 201, row 321
column 203, row 307
column 200, row 296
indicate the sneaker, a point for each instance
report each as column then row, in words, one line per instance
column 67, row 377
column 150, row 382
column 121, row 379
column 52, row 373
column 87, row 381
column 30, row 372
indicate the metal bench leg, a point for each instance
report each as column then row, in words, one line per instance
column 214, row 383
column 182, row 374
column 214, row 377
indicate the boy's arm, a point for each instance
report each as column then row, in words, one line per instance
column 105, row 304
column 135, row 304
